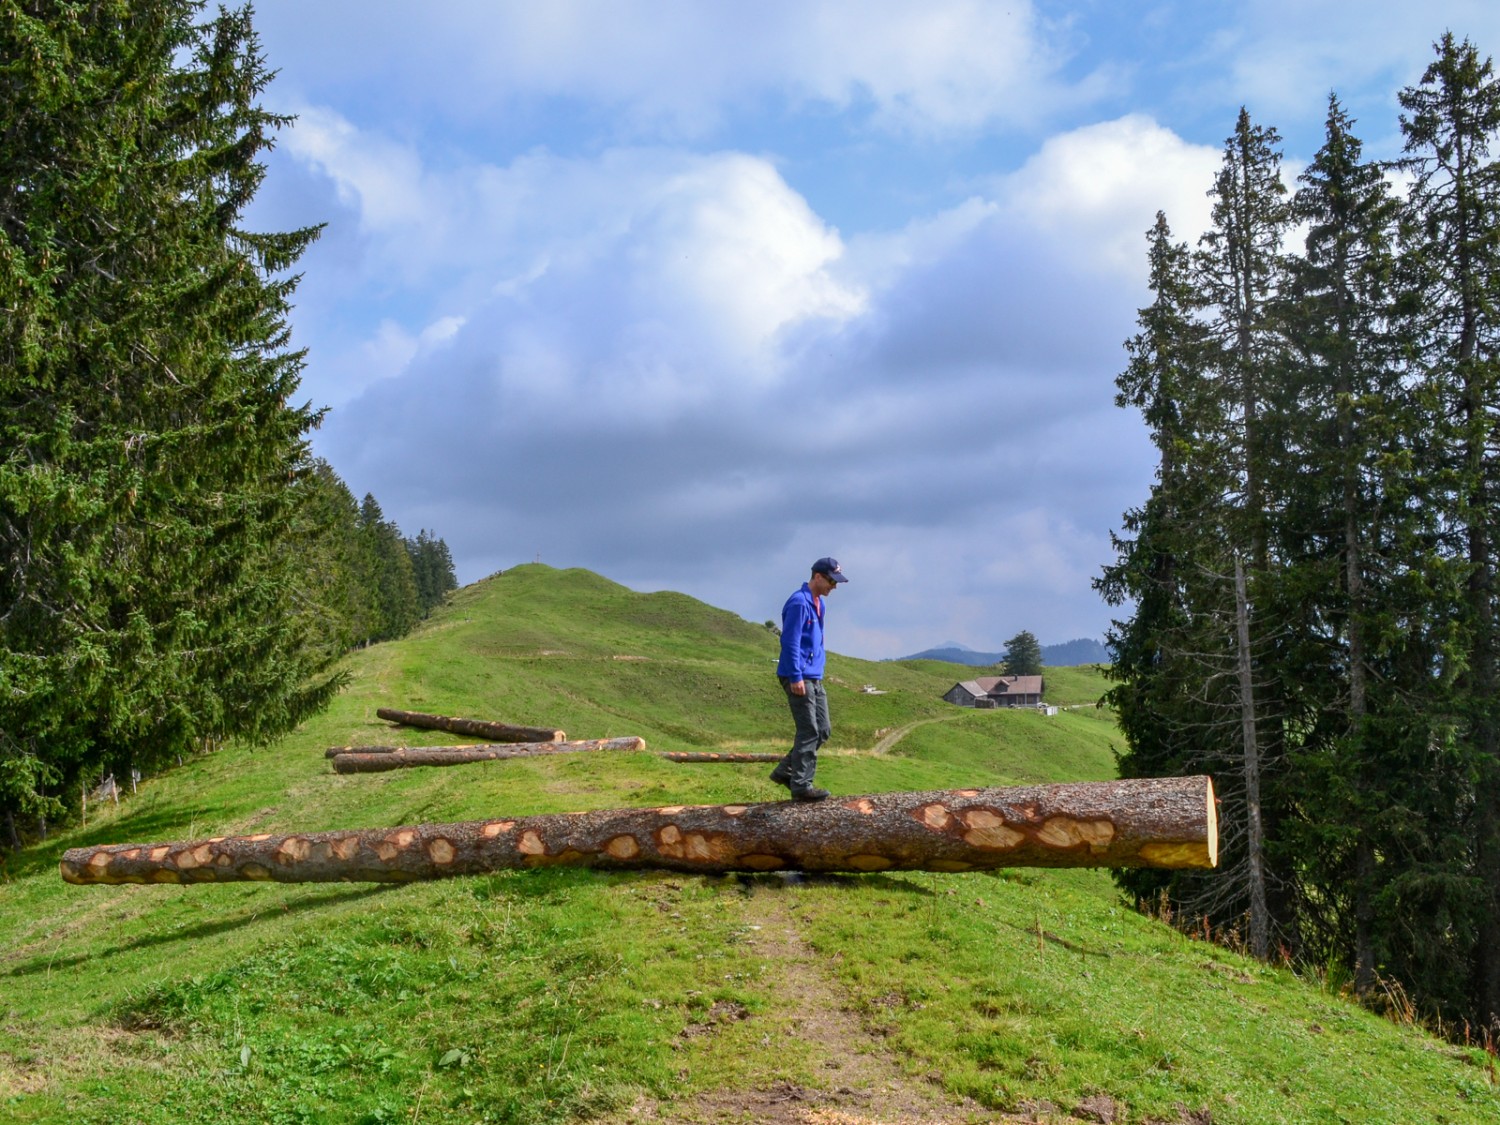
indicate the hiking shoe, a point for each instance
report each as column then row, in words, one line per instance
column 811, row 793
column 780, row 777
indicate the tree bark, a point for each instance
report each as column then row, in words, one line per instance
column 335, row 751
column 530, row 747
column 1142, row 822
column 727, row 756
column 1260, row 928
column 376, row 759
column 475, row 728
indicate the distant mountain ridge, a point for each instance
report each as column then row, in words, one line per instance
column 1084, row 650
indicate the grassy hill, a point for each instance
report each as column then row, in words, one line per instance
column 558, row 995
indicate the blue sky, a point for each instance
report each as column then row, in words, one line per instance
column 692, row 294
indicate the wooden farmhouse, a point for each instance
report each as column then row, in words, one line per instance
column 997, row 691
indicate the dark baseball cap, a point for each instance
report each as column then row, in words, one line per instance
column 829, row 569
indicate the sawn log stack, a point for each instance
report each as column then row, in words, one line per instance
column 1148, row 822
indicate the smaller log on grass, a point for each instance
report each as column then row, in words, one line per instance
column 729, row 756
column 406, row 758
column 335, row 751
column 475, row 728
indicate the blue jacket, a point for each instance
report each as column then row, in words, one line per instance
column 802, row 655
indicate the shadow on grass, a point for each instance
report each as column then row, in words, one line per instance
column 783, row 880
column 555, row 884
column 1052, row 939
column 203, row 930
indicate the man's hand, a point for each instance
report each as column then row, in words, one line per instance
column 798, row 688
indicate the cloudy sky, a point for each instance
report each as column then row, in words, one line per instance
column 693, row 293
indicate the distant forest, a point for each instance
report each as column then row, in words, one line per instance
column 175, row 567
column 1311, row 586
column 1065, row 655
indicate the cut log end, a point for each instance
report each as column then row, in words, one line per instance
column 1211, row 822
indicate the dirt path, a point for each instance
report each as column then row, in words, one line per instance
column 865, row 1085
column 885, row 744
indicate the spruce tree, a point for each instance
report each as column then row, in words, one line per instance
column 148, row 444
column 1450, row 119
column 1367, row 524
column 336, row 595
column 1239, row 272
column 1023, row 655
column 1170, row 697
column 432, row 568
column 390, row 567
column 1312, row 577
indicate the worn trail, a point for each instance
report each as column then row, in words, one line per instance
column 858, row 1080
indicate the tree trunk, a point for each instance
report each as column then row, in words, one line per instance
column 1363, row 893
column 728, row 756
column 1142, row 822
column 475, row 728
column 1260, row 930
column 376, row 759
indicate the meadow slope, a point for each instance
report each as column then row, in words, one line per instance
column 566, row 995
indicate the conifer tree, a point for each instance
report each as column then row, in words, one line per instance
column 1315, row 564
column 1170, row 696
column 390, row 567
column 1239, row 272
column 1360, row 535
column 147, row 439
column 432, row 568
column 1023, row 655
column 1450, row 118
column 337, row 592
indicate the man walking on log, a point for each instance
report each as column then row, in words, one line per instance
column 801, row 673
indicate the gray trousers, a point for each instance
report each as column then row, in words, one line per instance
column 810, row 713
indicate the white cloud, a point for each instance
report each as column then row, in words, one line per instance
column 1096, row 190
column 385, row 354
column 675, row 68
column 1291, row 54
column 382, row 181
column 694, row 293
column 676, row 359
column 637, row 277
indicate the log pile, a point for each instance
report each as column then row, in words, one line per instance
column 1145, row 822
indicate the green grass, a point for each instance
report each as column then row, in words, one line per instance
column 559, row 995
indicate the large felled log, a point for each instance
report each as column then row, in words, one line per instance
column 401, row 758
column 719, row 756
column 474, row 728
column 1152, row 822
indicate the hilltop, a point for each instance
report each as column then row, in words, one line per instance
column 565, row 995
